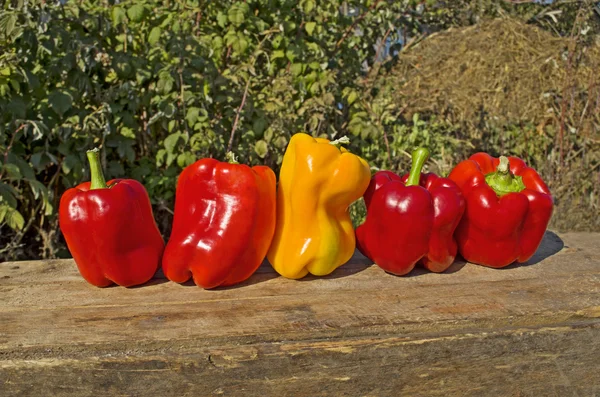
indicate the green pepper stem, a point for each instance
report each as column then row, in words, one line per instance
column 340, row 141
column 419, row 157
column 97, row 176
column 503, row 181
column 503, row 167
column 230, row 157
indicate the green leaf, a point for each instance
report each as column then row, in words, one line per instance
column 281, row 142
column 169, row 110
column 70, row 162
column 170, row 158
column 192, row 116
column 48, row 208
column 206, row 89
column 115, row 169
column 276, row 42
column 12, row 170
column 3, row 210
column 171, row 141
column 268, row 135
column 261, row 148
column 259, row 125
column 118, row 16
column 237, row 13
column 127, row 133
column 185, row 159
column 125, row 150
column 308, row 6
column 142, row 75
column 297, row 69
column 277, row 54
column 352, row 97
column 160, row 157
column 292, row 52
column 8, row 21
column 14, row 219
column 24, row 167
column 154, row 35
column 165, row 83
column 167, row 21
column 310, row 27
column 238, row 42
column 8, row 194
column 221, row 19
column 37, row 188
column 60, row 102
column 36, row 159
column 18, row 108
column 136, row 12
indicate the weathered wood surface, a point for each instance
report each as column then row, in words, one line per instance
column 527, row 330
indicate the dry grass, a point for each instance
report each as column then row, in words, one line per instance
column 511, row 71
column 516, row 88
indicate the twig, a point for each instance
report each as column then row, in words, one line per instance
column 387, row 145
column 413, row 41
column 239, row 111
column 380, row 46
column 181, row 98
column 375, row 71
column 563, row 105
column 163, row 207
column 12, row 141
column 19, row 236
column 198, row 16
column 237, row 116
column 356, row 21
column 124, row 39
column 385, row 137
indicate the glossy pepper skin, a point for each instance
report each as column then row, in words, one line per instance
column 317, row 183
column 110, row 231
column 223, row 224
column 408, row 223
column 506, row 223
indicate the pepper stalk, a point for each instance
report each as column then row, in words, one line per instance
column 503, row 181
column 419, row 157
column 96, row 174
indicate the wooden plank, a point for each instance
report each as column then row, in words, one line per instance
column 531, row 329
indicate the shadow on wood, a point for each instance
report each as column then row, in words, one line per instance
column 550, row 245
column 356, row 264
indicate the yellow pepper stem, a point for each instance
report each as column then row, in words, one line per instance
column 231, row 158
column 340, row 141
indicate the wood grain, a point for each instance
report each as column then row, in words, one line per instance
column 526, row 330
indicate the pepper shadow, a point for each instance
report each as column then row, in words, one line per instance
column 419, row 270
column 550, row 245
column 157, row 279
column 355, row 265
column 264, row 273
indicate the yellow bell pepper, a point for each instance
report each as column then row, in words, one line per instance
column 317, row 183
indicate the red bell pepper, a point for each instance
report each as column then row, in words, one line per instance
column 223, row 224
column 110, row 230
column 508, row 209
column 411, row 219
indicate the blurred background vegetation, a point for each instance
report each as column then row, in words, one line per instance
column 159, row 84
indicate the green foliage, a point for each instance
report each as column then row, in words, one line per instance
column 159, row 84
